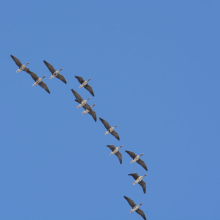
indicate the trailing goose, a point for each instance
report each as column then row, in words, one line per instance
column 85, row 84
column 39, row 81
column 55, row 72
column 139, row 179
column 79, row 99
column 109, row 128
column 88, row 109
column 115, row 150
column 136, row 158
column 135, row 207
column 20, row 65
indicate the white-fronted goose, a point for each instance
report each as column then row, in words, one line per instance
column 88, row 109
column 109, row 128
column 139, row 179
column 55, row 73
column 85, row 84
column 20, row 65
column 136, row 158
column 115, row 150
column 79, row 99
column 135, row 207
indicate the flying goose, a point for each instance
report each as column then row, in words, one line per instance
column 136, row 158
column 88, row 109
column 85, row 84
column 55, row 72
column 109, row 128
column 39, row 81
column 135, row 207
column 115, row 150
column 79, row 99
column 138, row 179
column 20, row 65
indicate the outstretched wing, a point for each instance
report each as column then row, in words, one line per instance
column 89, row 88
column 135, row 175
column 130, row 201
column 112, row 147
column 27, row 70
column 34, row 76
column 114, row 133
column 80, row 79
column 143, row 185
column 105, row 123
column 118, row 154
column 93, row 113
column 17, row 61
column 132, row 154
column 43, row 85
column 77, row 95
column 140, row 212
column 50, row 67
column 61, row 77
column 141, row 162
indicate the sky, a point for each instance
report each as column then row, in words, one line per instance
column 155, row 72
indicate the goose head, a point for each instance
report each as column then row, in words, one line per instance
column 142, row 154
column 88, row 98
column 116, row 126
column 43, row 77
column 27, row 63
column 92, row 105
column 141, row 204
column 145, row 174
column 60, row 69
column 121, row 146
column 89, row 79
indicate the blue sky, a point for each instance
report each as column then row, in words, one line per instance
column 155, row 72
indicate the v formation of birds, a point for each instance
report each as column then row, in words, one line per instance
column 88, row 109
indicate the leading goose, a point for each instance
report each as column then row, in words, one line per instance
column 110, row 129
column 79, row 99
column 20, row 65
column 136, row 158
column 135, row 207
column 39, row 81
column 55, row 73
column 88, row 109
column 139, row 179
column 115, row 150
column 85, row 84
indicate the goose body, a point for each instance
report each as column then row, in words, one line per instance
column 20, row 65
column 79, row 99
column 85, row 84
column 110, row 129
column 115, row 150
column 139, row 180
column 135, row 207
column 88, row 109
column 55, row 73
column 136, row 158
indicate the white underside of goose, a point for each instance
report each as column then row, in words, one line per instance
column 86, row 111
column 83, row 84
column 82, row 103
column 135, row 208
column 37, row 82
column 138, row 180
column 135, row 159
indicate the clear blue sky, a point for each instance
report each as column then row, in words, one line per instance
column 155, row 72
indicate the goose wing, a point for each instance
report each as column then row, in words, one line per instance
column 130, row 201
column 114, row 133
column 89, row 88
column 80, row 79
column 143, row 185
column 34, row 76
column 105, row 123
column 50, row 67
column 44, row 86
column 141, row 162
column 77, row 95
column 135, row 175
column 112, row 147
column 140, row 212
column 26, row 70
column 17, row 61
column 93, row 113
column 132, row 154
column 118, row 154
column 61, row 77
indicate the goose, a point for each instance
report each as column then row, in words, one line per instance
column 115, row 150
column 135, row 207
column 20, row 65
column 88, row 109
column 85, row 84
column 139, row 179
column 79, row 99
column 39, row 81
column 110, row 129
column 136, row 158
column 55, row 72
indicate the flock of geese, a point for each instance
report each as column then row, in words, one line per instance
column 88, row 109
